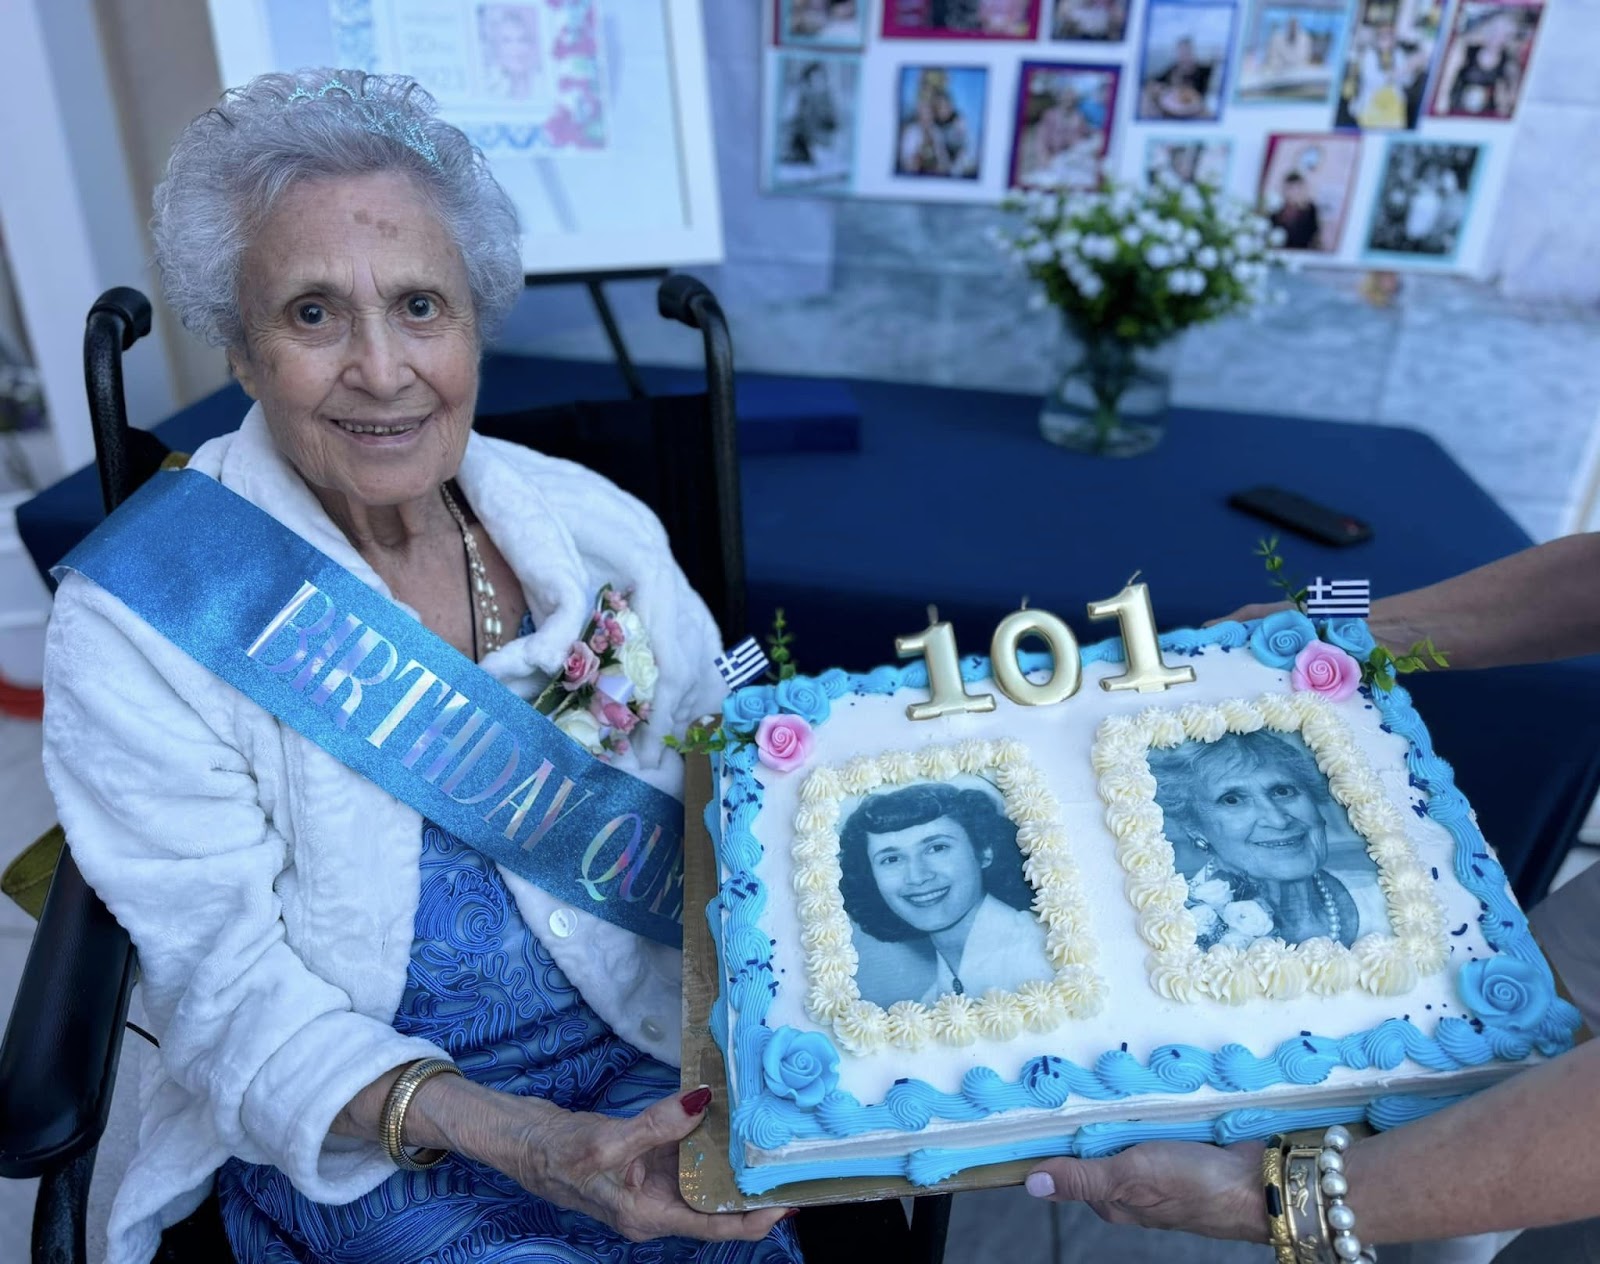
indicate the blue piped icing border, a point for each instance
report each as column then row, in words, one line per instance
column 766, row 1121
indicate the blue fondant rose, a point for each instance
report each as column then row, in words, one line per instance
column 1279, row 637
column 1505, row 993
column 1351, row 635
column 802, row 696
column 800, row 1065
column 746, row 708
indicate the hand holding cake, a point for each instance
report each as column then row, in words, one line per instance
column 1541, row 1167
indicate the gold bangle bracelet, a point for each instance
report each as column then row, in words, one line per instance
column 391, row 1125
column 1303, row 1207
column 1272, row 1185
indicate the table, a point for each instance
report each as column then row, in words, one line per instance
column 954, row 499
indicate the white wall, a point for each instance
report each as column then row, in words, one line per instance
column 66, row 206
column 163, row 74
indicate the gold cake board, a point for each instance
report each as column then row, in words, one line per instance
column 705, row 1174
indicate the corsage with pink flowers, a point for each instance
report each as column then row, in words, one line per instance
column 607, row 681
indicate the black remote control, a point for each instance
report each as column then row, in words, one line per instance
column 1295, row 513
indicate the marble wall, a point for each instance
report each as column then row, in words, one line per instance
column 1506, row 375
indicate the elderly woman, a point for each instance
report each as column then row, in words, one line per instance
column 932, row 880
column 1248, row 817
column 339, row 985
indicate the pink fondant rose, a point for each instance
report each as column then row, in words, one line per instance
column 1327, row 670
column 581, row 668
column 783, row 742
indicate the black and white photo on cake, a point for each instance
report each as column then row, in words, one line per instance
column 1266, row 849
column 1184, row 65
column 941, row 112
column 1100, row 20
column 813, row 144
column 932, row 883
column 1484, row 67
column 1290, row 50
column 1388, row 56
column 822, row 23
column 1425, row 199
column 1306, row 182
column 1189, row 161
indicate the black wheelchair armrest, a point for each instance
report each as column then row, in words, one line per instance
column 58, row 1062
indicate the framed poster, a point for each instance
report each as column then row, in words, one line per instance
column 1487, row 60
column 594, row 113
column 1306, row 183
column 1063, row 128
column 1185, row 61
column 1291, row 51
column 1423, row 208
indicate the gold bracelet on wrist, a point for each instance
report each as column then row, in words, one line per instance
column 391, row 1125
column 1272, row 1186
column 1302, row 1203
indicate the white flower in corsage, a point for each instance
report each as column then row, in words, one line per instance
column 607, row 680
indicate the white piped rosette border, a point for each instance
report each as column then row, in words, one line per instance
column 1386, row 965
column 1077, row 990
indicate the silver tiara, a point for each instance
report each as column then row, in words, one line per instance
column 376, row 119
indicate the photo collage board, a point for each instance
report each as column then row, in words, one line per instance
column 1374, row 133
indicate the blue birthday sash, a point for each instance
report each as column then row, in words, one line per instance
column 342, row 665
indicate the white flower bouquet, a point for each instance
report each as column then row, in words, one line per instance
column 1141, row 265
column 1129, row 269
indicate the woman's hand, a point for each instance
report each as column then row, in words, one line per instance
column 1184, row 1185
column 622, row 1172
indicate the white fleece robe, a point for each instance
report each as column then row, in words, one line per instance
column 270, row 891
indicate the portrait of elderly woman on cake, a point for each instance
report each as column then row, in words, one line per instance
column 376, row 1044
column 932, row 883
column 1267, row 851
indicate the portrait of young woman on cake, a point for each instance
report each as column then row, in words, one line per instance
column 932, row 882
column 1267, row 851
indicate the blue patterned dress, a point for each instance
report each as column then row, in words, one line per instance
column 482, row 986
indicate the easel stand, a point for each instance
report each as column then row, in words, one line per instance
column 594, row 282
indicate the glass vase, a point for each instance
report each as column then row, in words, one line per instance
column 1112, row 398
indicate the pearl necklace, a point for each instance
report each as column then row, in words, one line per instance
column 485, row 602
column 1329, row 905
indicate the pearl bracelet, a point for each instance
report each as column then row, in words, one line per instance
column 1336, row 1211
column 1309, row 1220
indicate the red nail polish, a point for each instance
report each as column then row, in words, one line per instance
column 790, row 1214
column 696, row 1102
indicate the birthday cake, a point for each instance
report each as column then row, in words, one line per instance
column 1217, row 890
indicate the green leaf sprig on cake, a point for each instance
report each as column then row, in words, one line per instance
column 1334, row 657
column 778, row 718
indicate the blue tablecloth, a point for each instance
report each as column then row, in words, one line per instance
column 954, row 499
